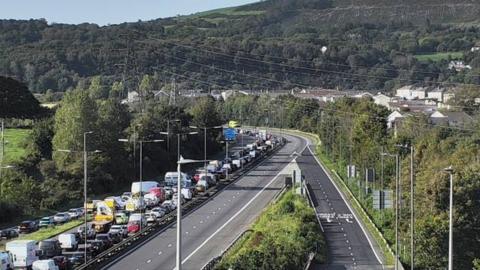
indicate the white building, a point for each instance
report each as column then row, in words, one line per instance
column 382, row 100
column 458, row 65
column 411, row 92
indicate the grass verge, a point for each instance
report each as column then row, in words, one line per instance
column 15, row 144
column 436, row 57
column 281, row 238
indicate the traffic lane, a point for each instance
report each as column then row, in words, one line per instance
column 350, row 245
column 159, row 253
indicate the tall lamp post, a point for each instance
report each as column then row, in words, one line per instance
column 180, row 162
column 85, row 179
column 397, row 202
column 449, row 170
column 205, row 141
column 141, row 142
column 168, row 132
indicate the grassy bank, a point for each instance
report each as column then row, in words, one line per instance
column 436, row 57
column 281, row 238
column 15, row 144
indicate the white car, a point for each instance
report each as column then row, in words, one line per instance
column 61, row 218
column 74, row 213
column 151, row 218
column 175, row 199
column 120, row 229
column 169, row 204
column 158, row 211
column 120, row 202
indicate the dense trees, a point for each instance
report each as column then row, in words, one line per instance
column 16, row 101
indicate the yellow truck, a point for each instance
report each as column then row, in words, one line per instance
column 105, row 215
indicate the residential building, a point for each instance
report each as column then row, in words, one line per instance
column 458, row 65
column 453, row 119
column 382, row 100
column 411, row 92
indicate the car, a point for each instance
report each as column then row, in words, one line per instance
column 202, row 185
column 46, row 222
column 96, row 246
column 50, row 248
column 121, row 229
column 175, row 199
column 90, row 232
column 28, row 226
column 74, row 214
column 168, row 192
column 62, row 262
column 169, row 204
column 61, row 218
column 133, row 226
column 151, row 218
column 121, row 218
column 158, row 211
column 76, row 258
column 116, row 237
column 106, row 239
column 8, row 233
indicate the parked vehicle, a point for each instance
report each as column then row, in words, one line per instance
column 46, row 222
column 50, row 248
column 121, row 229
column 8, row 234
column 44, row 265
column 143, row 186
column 23, row 252
column 6, row 261
column 61, row 262
column 106, row 239
column 68, row 241
column 121, row 218
column 28, row 226
column 61, row 218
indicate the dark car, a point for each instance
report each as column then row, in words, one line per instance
column 76, row 258
column 116, row 237
column 8, row 233
column 28, row 226
column 96, row 246
column 50, row 248
column 62, row 262
column 106, row 239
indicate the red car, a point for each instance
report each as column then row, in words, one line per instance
column 159, row 193
column 133, row 226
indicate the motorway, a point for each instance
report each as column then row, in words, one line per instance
column 349, row 247
column 210, row 229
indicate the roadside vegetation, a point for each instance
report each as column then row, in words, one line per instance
column 356, row 130
column 281, row 238
column 15, row 140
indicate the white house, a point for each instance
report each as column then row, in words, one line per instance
column 394, row 117
column 436, row 94
column 411, row 92
column 453, row 119
column 458, row 65
column 132, row 97
column 382, row 100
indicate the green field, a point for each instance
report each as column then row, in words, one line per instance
column 15, row 144
column 436, row 57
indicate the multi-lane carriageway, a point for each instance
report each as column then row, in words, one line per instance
column 210, row 229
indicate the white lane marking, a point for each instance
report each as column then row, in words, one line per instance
column 194, row 227
column 159, row 253
column 149, row 261
column 348, row 205
column 201, row 221
column 186, row 232
column 169, row 245
column 231, row 218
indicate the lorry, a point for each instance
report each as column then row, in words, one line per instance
column 135, row 203
column 104, row 216
column 23, row 252
column 159, row 192
column 6, row 261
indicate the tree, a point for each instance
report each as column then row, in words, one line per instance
column 118, row 90
column 16, row 101
column 96, row 89
column 77, row 114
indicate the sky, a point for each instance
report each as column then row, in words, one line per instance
column 105, row 12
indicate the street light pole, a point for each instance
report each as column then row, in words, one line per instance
column 449, row 170
column 412, row 210
column 85, row 178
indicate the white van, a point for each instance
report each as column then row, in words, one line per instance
column 44, row 265
column 144, row 186
column 68, row 241
column 6, row 261
column 23, row 252
column 171, row 178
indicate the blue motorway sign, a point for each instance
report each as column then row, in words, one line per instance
column 229, row 134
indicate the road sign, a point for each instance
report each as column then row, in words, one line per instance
column 382, row 199
column 233, row 124
column 229, row 134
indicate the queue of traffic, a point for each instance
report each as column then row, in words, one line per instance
column 117, row 217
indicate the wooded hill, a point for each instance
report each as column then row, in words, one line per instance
column 273, row 44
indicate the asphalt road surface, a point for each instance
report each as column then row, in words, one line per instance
column 348, row 245
column 210, row 229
